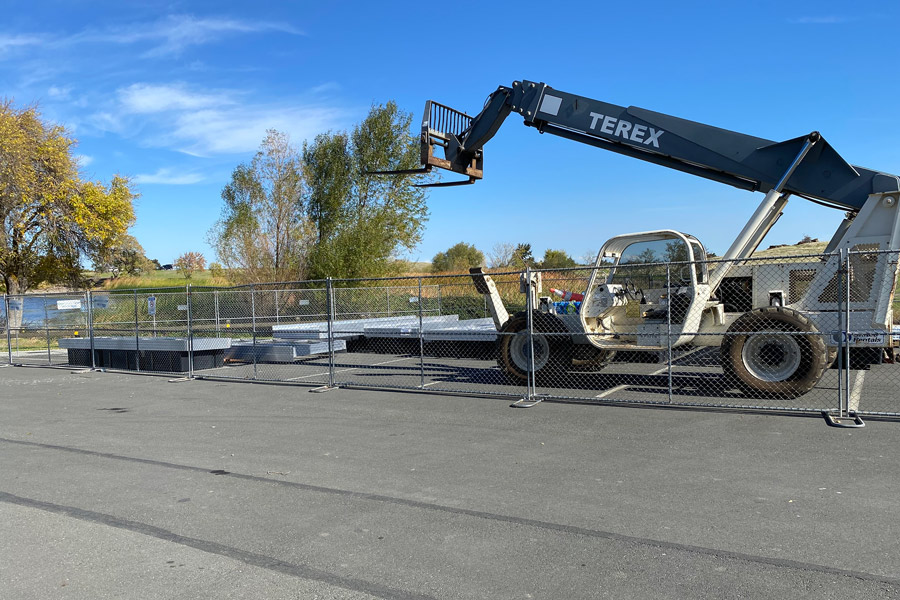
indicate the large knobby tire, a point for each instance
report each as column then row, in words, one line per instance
column 774, row 352
column 552, row 346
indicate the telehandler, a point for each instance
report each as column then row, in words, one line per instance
column 777, row 325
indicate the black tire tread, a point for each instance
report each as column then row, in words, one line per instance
column 818, row 358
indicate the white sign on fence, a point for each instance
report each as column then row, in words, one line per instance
column 68, row 305
column 413, row 299
column 100, row 301
column 302, row 302
column 151, row 306
column 182, row 307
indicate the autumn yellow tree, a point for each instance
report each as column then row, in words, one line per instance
column 51, row 219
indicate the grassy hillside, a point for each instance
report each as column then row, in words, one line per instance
column 174, row 278
column 795, row 250
column 154, row 279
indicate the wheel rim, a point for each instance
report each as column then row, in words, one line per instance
column 771, row 356
column 520, row 351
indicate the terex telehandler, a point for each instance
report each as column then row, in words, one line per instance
column 777, row 325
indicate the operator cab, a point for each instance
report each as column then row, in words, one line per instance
column 642, row 281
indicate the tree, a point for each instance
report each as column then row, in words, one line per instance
column 123, row 258
column 457, row 258
column 189, row 262
column 501, row 255
column 522, row 257
column 557, row 259
column 363, row 222
column 264, row 233
column 216, row 271
column 51, row 219
column 647, row 256
column 676, row 251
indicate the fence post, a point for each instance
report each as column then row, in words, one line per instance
column 253, row 325
column 669, row 325
column 46, row 327
column 137, row 336
column 331, row 310
column 845, row 417
column 216, row 302
column 8, row 329
column 848, row 330
column 90, row 325
column 277, row 317
column 530, row 398
column 421, row 341
column 387, row 295
column 190, row 326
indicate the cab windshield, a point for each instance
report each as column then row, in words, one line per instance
column 643, row 263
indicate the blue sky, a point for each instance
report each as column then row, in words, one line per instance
column 176, row 94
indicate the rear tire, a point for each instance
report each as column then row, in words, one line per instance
column 552, row 353
column 774, row 352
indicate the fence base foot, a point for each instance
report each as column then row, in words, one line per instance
column 851, row 420
column 525, row 403
column 6, row 365
column 180, row 379
column 324, row 388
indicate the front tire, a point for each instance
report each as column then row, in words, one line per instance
column 774, row 352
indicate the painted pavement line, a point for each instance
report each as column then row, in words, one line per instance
column 621, row 387
column 387, row 362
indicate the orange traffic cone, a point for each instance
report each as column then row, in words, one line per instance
column 567, row 296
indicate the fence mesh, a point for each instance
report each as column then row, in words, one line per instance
column 39, row 326
column 798, row 333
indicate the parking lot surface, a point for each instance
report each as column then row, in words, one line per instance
column 124, row 486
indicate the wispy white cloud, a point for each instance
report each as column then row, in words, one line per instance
column 148, row 98
column 166, row 176
column 83, row 160
column 168, row 36
column 207, row 122
column 59, row 93
column 821, row 20
column 243, row 128
column 330, row 86
column 173, row 34
column 10, row 42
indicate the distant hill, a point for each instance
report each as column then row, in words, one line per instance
column 793, row 250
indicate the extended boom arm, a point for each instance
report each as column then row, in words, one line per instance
column 729, row 157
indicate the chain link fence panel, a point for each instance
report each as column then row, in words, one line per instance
column 40, row 327
column 142, row 331
column 277, row 332
column 651, row 333
column 869, row 368
column 5, row 334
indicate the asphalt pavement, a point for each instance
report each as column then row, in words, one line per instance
column 129, row 486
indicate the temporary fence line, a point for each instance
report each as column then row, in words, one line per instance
column 468, row 362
